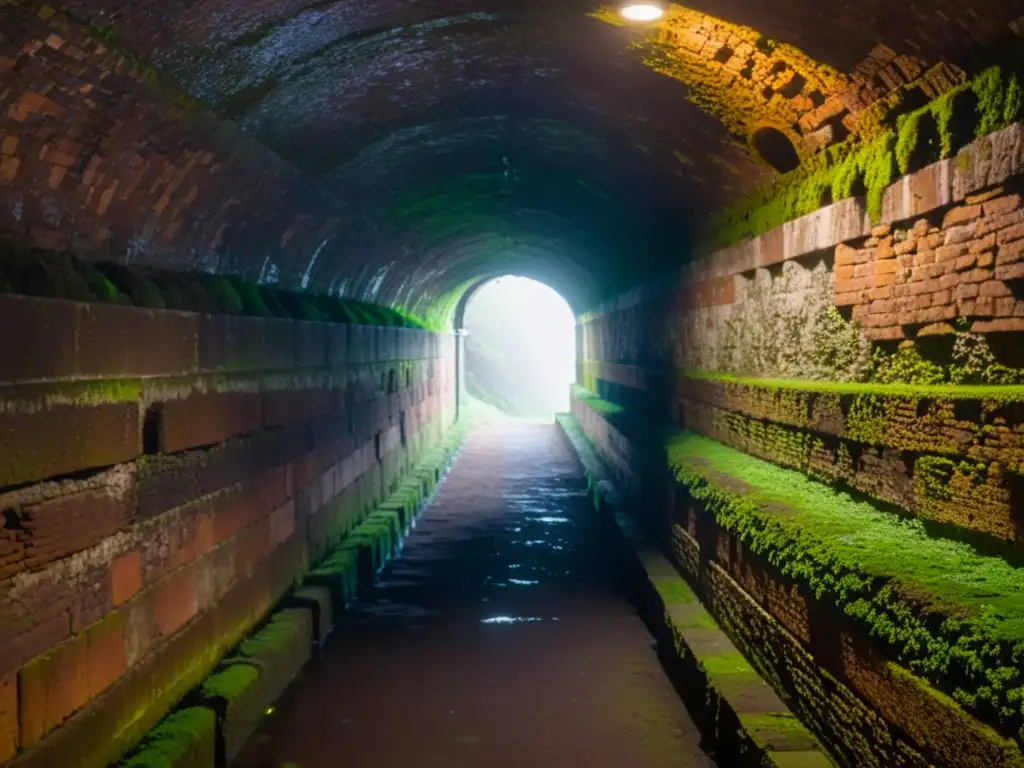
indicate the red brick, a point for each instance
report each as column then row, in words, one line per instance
column 115, row 341
column 125, row 577
column 175, row 601
column 1010, row 272
column 984, row 307
column 986, row 259
column 966, row 291
column 924, row 258
column 844, row 273
column 56, row 528
column 965, row 262
column 886, row 267
column 1002, row 205
column 987, row 243
column 44, row 346
column 61, row 439
column 282, row 523
column 106, row 651
column 8, row 717
column 1010, row 253
column 1005, row 306
column 950, row 252
column 847, row 256
column 880, row 293
column 208, row 418
column 994, row 289
column 52, row 688
column 942, row 297
column 991, row 326
column 864, row 270
column 983, row 197
column 961, row 215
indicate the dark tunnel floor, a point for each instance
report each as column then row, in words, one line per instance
column 496, row 638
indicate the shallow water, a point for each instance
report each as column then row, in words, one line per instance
column 496, row 638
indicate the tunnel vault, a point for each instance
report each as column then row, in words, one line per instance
column 396, row 152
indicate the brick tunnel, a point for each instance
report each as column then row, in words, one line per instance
column 248, row 518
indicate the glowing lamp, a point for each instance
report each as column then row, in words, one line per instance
column 642, row 11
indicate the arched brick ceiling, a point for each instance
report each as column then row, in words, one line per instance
column 471, row 137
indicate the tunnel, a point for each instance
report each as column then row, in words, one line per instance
column 250, row 514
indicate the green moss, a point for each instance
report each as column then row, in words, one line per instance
column 867, row 162
column 914, row 391
column 906, row 366
column 950, row 614
column 674, row 590
column 133, row 283
column 727, row 663
column 174, row 738
column 278, row 634
column 230, row 682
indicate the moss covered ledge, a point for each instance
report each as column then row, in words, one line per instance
column 951, row 615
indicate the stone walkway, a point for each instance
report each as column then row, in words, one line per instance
column 496, row 639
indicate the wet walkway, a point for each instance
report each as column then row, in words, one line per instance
column 496, row 639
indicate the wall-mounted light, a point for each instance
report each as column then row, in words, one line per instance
column 642, row 11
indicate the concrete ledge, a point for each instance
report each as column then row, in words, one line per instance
column 185, row 739
column 236, row 696
column 316, row 599
column 732, row 704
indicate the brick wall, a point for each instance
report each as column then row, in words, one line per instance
column 166, row 477
column 100, row 157
column 770, row 347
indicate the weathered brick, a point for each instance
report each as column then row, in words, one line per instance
column 56, row 528
column 208, row 418
column 125, row 577
column 1010, row 272
column 994, row 326
column 175, row 601
column 106, row 653
column 961, row 214
column 9, row 737
column 52, row 688
column 61, row 439
column 44, row 346
column 1002, row 205
column 993, row 289
column 117, row 341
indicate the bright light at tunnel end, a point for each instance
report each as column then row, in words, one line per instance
column 642, row 11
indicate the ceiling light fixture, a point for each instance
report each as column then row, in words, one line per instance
column 642, row 11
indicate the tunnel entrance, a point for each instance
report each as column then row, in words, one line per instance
column 520, row 350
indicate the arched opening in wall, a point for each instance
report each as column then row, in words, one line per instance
column 775, row 148
column 520, row 350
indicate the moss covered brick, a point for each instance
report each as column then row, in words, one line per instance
column 948, row 613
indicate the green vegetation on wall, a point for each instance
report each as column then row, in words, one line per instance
column 868, row 162
column 906, row 586
column 30, row 272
